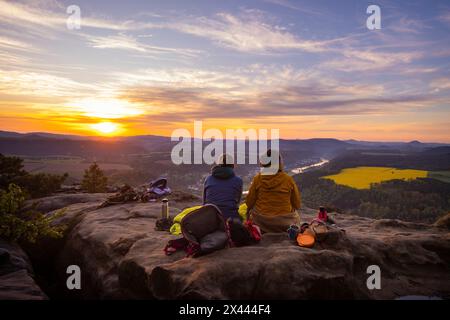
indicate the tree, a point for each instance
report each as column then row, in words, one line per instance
column 94, row 179
column 11, row 168
column 16, row 225
column 33, row 185
column 41, row 184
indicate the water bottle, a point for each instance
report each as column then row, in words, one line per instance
column 293, row 232
column 165, row 209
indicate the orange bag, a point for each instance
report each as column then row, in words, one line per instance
column 306, row 239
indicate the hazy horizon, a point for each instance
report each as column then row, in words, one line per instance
column 156, row 135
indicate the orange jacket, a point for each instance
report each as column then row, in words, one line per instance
column 273, row 195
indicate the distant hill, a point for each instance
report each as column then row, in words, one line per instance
column 412, row 145
column 439, row 150
column 40, row 146
column 8, row 134
column 47, row 144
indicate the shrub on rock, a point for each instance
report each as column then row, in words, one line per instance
column 28, row 226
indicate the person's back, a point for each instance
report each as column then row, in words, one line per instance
column 273, row 199
column 274, row 194
column 223, row 188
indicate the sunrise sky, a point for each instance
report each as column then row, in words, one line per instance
column 308, row 68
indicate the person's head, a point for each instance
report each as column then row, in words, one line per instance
column 225, row 160
column 271, row 162
column 322, row 209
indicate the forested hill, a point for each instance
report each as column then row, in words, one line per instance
column 432, row 159
column 42, row 146
column 421, row 199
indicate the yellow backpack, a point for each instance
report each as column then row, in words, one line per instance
column 175, row 229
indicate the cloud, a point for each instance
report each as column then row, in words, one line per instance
column 127, row 42
column 9, row 43
column 14, row 52
column 7, row 59
column 445, row 18
column 261, row 92
column 116, row 42
column 47, row 18
column 294, row 6
column 355, row 60
column 249, row 32
column 190, row 103
column 405, row 25
column 30, row 16
column 34, row 84
column 225, row 80
column 440, row 84
column 337, row 79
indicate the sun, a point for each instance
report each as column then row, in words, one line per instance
column 105, row 128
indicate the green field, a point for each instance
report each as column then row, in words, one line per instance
column 73, row 166
column 443, row 176
column 363, row 177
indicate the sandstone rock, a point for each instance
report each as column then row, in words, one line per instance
column 121, row 256
column 63, row 200
column 443, row 222
column 16, row 275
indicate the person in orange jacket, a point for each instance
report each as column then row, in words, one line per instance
column 273, row 198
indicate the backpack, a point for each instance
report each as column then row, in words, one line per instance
column 255, row 231
column 204, row 231
column 159, row 187
column 175, row 229
column 240, row 235
column 320, row 231
column 306, row 236
column 316, row 231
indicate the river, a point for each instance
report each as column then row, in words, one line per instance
column 303, row 169
column 314, row 165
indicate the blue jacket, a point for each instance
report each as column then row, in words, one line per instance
column 223, row 189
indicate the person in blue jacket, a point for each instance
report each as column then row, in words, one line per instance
column 223, row 188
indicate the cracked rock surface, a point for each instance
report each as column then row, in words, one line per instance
column 121, row 256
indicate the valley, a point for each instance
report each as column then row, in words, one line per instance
column 379, row 180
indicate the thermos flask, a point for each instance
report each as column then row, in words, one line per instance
column 165, row 209
column 293, row 231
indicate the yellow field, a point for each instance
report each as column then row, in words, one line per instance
column 362, row 177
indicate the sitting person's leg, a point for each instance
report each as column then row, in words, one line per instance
column 278, row 223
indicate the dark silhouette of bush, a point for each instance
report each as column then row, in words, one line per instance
column 41, row 184
column 33, row 185
column 11, row 168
